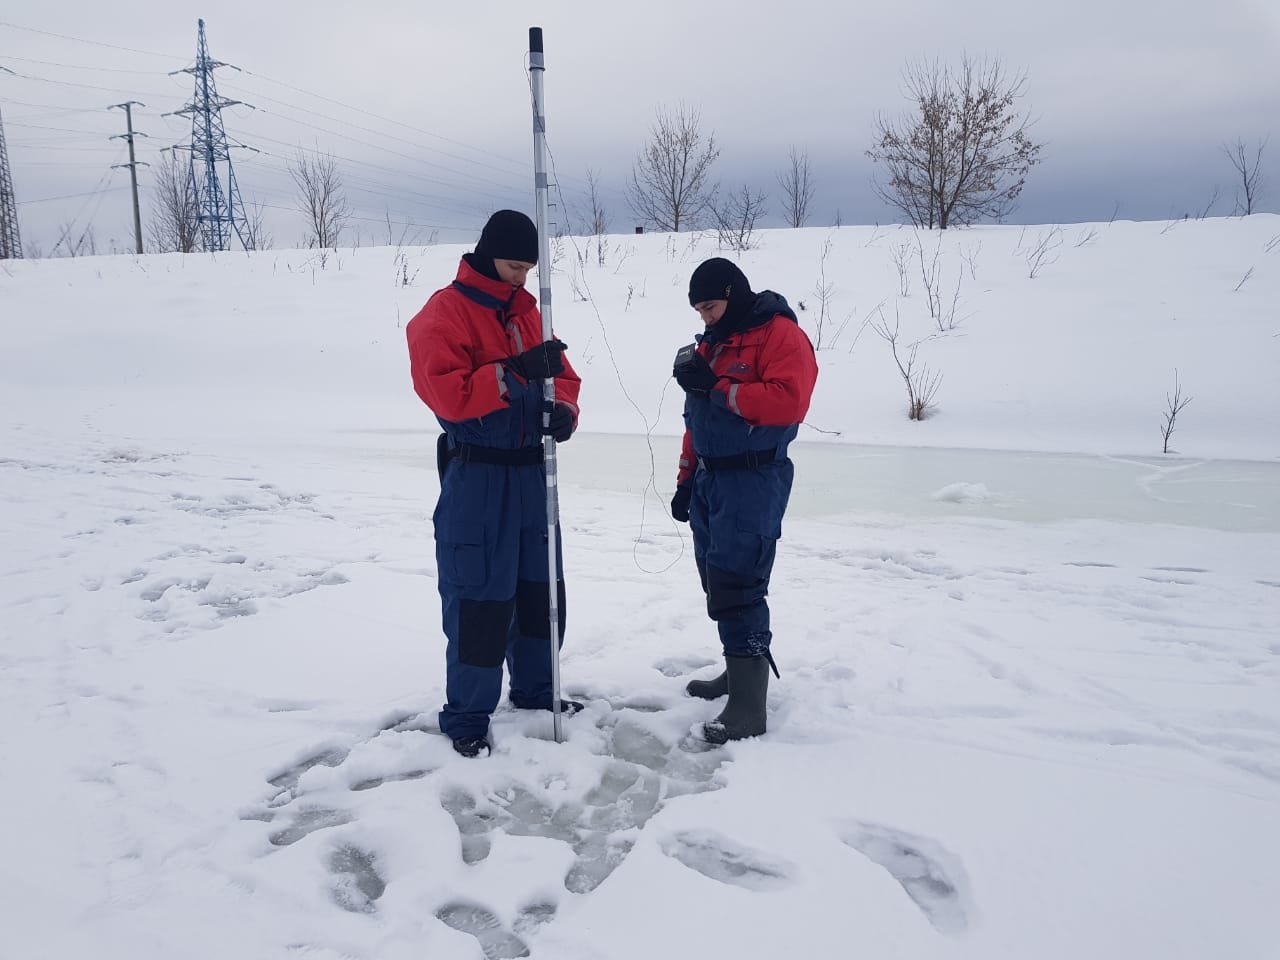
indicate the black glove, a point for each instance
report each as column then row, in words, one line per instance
column 680, row 502
column 540, row 362
column 561, row 426
column 695, row 375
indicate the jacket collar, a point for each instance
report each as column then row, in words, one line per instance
column 517, row 299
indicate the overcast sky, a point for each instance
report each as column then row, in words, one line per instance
column 427, row 105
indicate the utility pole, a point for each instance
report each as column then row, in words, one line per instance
column 10, row 239
column 132, row 164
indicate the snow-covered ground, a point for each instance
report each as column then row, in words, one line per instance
column 1030, row 703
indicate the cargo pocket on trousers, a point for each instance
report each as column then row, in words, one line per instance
column 757, row 540
column 460, row 553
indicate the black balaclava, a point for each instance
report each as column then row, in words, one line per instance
column 720, row 279
column 508, row 235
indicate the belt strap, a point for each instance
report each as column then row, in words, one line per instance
column 498, row 456
column 740, row 461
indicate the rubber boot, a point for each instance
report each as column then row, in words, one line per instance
column 712, row 689
column 744, row 715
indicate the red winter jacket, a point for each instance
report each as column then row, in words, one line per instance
column 768, row 371
column 456, row 348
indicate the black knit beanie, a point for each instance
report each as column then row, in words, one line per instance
column 720, row 279
column 509, row 235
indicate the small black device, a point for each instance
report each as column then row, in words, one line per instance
column 684, row 359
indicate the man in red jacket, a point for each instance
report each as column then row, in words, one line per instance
column 478, row 361
column 747, row 383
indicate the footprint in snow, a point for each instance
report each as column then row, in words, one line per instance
column 719, row 858
column 932, row 877
column 497, row 942
column 357, row 883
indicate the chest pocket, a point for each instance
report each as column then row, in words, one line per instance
column 739, row 359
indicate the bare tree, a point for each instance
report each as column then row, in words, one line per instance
column 823, row 289
column 797, row 188
column 1173, row 406
column 320, row 198
column 964, row 154
column 597, row 216
column 173, row 225
column 76, row 242
column 670, row 180
column 1249, row 172
column 736, row 218
column 921, row 382
column 256, row 236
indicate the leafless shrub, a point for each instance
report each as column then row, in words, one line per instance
column 1045, row 252
column 964, row 153
column 736, row 218
column 173, row 225
column 75, row 242
column 921, row 382
column 597, row 217
column 256, row 236
column 1248, row 273
column 901, row 254
column 971, row 257
column 1248, row 169
column 866, row 322
column 408, row 233
column 624, row 254
column 670, row 183
column 1173, row 406
column 797, row 188
column 576, row 286
column 1086, row 237
column 823, row 290
column 943, row 313
column 1272, row 244
column 320, row 198
column 403, row 277
column 1213, row 198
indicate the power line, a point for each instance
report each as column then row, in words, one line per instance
column 95, row 43
column 398, row 123
column 486, row 191
column 66, row 196
column 77, row 66
column 87, row 86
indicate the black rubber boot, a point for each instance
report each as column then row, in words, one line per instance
column 472, row 746
column 744, row 715
column 712, row 689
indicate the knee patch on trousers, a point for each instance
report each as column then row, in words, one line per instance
column 483, row 627
column 533, row 612
column 729, row 595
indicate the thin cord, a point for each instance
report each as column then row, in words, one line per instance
column 648, row 427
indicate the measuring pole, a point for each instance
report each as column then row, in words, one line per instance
column 536, row 69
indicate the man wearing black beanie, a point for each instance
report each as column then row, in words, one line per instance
column 479, row 361
column 510, row 236
column 747, row 382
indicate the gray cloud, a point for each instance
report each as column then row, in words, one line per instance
column 1133, row 98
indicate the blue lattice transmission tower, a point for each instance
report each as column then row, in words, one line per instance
column 10, row 240
column 219, row 209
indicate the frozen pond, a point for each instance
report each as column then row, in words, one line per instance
column 838, row 479
column 834, row 479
